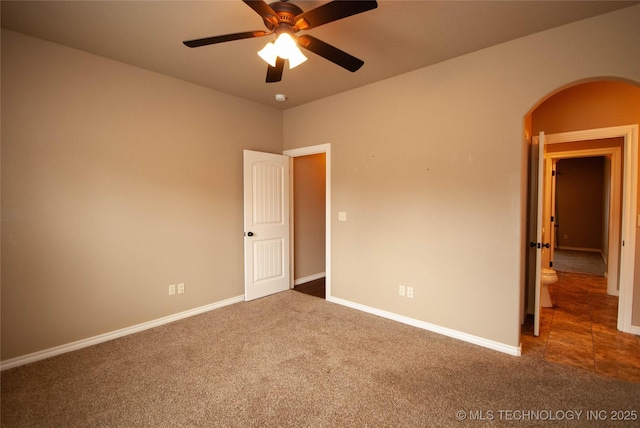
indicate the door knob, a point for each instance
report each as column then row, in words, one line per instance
column 249, row 233
column 539, row 245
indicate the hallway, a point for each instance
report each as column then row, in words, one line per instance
column 580, row 330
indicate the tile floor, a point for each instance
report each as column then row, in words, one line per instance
column 580, row 330
column 314, row 288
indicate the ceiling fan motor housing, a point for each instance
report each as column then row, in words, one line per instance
column 287, row 13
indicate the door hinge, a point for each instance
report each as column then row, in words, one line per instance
column 553, row 173
column 552, row 219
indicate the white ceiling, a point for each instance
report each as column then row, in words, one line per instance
column 397, row 37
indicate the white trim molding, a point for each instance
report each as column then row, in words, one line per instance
column 84, row 343
column 312, row 150
column 465, row 337
column 309, row 278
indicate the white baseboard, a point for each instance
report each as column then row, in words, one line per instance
column 588, row 250
column 73, row 346
column 476, row 340
column 634, row 329
column 309, row 278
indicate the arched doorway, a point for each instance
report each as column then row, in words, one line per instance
column 584, row 112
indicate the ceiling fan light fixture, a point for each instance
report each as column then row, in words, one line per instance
column 284, row 47
column 269, row 54
column 296, row 58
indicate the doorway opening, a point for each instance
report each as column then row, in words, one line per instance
column 581, row 207
column 580, row 327
column 311, row 220
column 586, row 204
column 620, row 230
column 604, row 111
column 622, row 187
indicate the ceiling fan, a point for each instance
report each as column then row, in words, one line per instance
column 285, row 19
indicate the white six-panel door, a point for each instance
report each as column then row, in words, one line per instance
column 266, row 224
column 538, row 148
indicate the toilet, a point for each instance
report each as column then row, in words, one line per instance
column 548, row 276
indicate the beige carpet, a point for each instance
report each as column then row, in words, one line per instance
column 587, row 262
column 293, row 360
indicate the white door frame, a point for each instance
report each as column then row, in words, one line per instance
column 313, row 150
column 613, row 253
column 629, row 133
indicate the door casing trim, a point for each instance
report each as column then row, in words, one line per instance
column 615, row 155
column 629, row 133
column 305, row 151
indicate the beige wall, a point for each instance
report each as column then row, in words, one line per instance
column 429, row 168
column 309, row 215
column 116, row 182
column 588, row 106
column 579, row 203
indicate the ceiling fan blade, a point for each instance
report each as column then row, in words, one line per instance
column 332, row 11
column 331, row 53
column 226, row 38
column 274, row 74
column 269, row 16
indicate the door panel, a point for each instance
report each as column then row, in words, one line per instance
column 538, row 163
column 266, row 224
column 553, row 228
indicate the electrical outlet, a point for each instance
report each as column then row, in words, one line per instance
column 410, row 292
column 401, row 290
column 342, row 216
column 172, row 289
column 181, row 288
